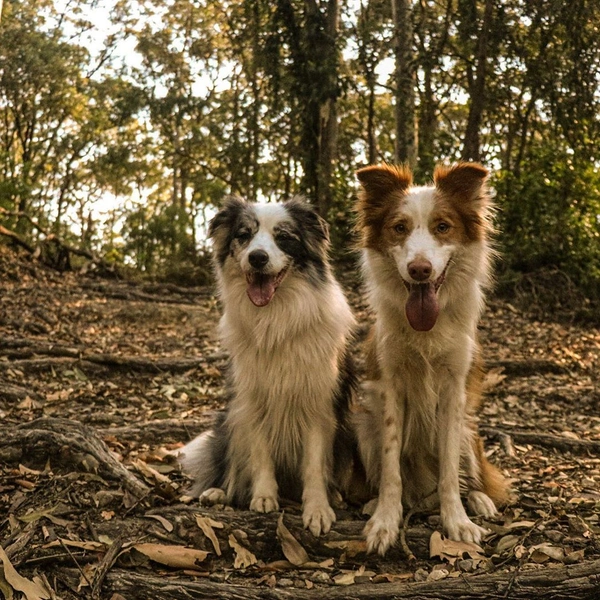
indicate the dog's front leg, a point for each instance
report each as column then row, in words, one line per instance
column 382, row 528
column 317, row 514
column 264, row 484
column 451, row 410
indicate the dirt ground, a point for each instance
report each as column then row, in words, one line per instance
column 101, row 380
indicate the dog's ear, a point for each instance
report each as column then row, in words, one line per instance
column 465, row 186
column 223, row 225
column 464, row 181
column 227, row 216
column 309, row 220
column 379, row 180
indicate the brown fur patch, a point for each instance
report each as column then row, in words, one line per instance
column 371, row 359
column 446, row 212
column 383, row 188
column 462, row 188
column 463, row 179
column 493, row 483
column 475, row 377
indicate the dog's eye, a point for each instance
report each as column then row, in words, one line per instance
column 284, row 235
column 400, row 228
column 443, row 227
column 242, row 235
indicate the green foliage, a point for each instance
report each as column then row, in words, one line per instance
column 550, row 216
column 187, row 102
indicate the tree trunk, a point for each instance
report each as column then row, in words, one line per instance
column 427, row 126
column 368, row 60
column 406, row 144
column 477, row 91
column 320, row 42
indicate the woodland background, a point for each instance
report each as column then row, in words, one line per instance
column 124, row 124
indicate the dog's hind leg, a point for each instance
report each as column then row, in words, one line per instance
column 212, row 497
column 203, row 459
column 488, row 487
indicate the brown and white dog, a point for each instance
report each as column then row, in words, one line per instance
column 427, row 262
column 286, row 325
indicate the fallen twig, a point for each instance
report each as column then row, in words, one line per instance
column 543, row 439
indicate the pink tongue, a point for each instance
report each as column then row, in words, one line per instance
column 422, row 306
column 260, row 289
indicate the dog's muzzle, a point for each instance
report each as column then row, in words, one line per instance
column 262, row 286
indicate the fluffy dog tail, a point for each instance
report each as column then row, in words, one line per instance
column 205, row 458
column 493, row 482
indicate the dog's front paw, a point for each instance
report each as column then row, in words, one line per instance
column 381, row 532
column 213, row 496
column 481, row 504
column 264, row 504
column 318, row 518
column 462, row 529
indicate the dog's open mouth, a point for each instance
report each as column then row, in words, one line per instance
column 422, row 306
column 262, row 286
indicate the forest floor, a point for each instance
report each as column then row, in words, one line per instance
column 101, row 380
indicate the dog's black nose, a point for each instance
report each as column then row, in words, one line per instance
column 258, row 258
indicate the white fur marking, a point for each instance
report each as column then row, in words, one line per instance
column 421, row 243
column 269, row 216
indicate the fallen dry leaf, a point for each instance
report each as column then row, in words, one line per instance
column 243, row 557
column 506, row 543
column 94, row 546
column 164, row 522
column 519, row 551
column 178, row 557
column 438, row 574
column 351, row 547
column 493, row 378
column 292, row 549
column 450, row 550
column 86, row 576
column 278, row 565
column 32, row 590
column 348, row 577
column 391, row 577
column 520, row 525
column 150, row 473
column 5, row 588
column 44, row 514
column 574, row 557
column 542, row 552
column 207, row 524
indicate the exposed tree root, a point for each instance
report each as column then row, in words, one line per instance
column 69, row 441
column 547, row 440
column 577, row 582
column 527, row 368
column 66, row 358
column 166, row 430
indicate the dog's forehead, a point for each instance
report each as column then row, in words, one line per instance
column 418, row 203
column 271, row 215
